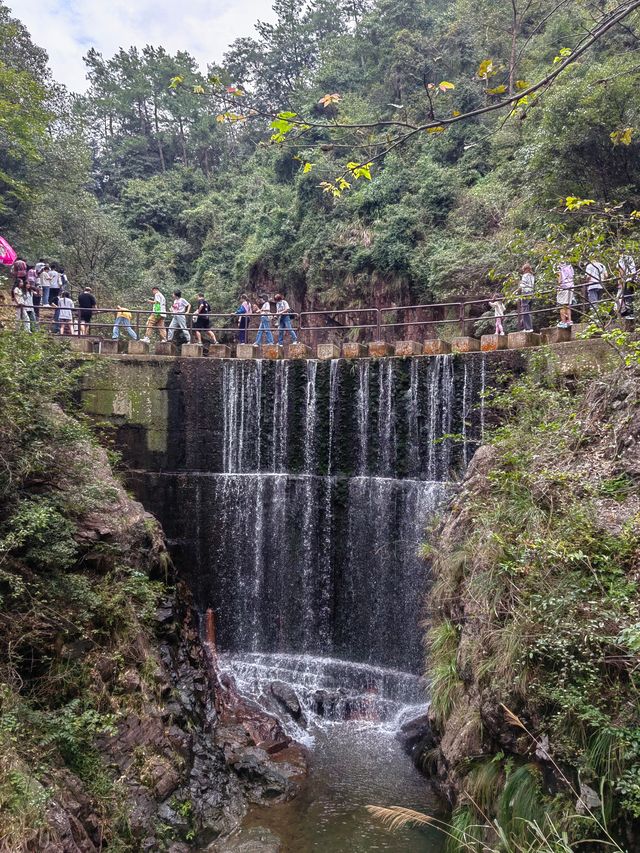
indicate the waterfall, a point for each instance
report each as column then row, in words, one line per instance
column 363, row 415
column 300, row 514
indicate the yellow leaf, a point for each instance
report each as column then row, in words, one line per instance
column 445, row 85
column 522, row 84
column 486, row 69
column 198, row 90
column 221, row 117
column 624, row 136
column 456, row 113
column 439, row 129
column 497, row 90
column 307, row 167
column 335, row 98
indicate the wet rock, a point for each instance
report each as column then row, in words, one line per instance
column 288, row 698
column 588, row 801
column 416, row 736
column 258, row 839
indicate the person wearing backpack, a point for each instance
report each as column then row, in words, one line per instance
column 201, row 321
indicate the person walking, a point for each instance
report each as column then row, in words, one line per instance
column 19, row 270
column 34, row 287
column 29, row 311
column 596, row 275
column 65, row 313
column 526, row 290
column 17, row 296
column 157, row 317
column 283, row 311
column 265, row 322
column 245, row 312
column 86, row 303
column 499, row 310
column 179, row 309
column 44, row 278
column 564, row 293
column 123, row 320
column 202, row 321
column 627, row 272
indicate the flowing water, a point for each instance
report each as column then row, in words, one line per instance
column 299, row 523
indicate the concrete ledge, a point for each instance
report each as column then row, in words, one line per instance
column 577, row 329
column 522, row 340
column 436, row 347
column 247, row 351
column 219, row 351
column 137, row 348
column 465, row 344
column 380, row 349
column 191, row 351
column 108, row 347
column 82, row 344
column 298, row 350
column 354, row 350
column 492, row 343
column 272, row 351
column 326, row 351
column 555, row 335
column 165, row 348
column 405, row 349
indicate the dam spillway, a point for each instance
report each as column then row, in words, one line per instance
column 295, row 494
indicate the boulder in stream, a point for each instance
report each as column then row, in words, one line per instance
column 288, row 698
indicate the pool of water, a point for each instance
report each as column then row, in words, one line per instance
column 354, row 762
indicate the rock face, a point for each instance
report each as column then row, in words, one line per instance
column 184, row 752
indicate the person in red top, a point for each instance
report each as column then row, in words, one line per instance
column 20, row 272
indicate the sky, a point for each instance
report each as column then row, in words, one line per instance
column 68, row 28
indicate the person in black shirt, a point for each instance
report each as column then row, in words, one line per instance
column 201, row 320
column 86, row 303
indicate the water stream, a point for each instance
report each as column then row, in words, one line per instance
column 300, row 526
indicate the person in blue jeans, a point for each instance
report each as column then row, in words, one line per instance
column 123, row 319
column 282, row 310
column 265, row 313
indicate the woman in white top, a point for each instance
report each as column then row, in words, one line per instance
column 497, row 303
column 596, row 273
column 564, row 293
column 526, row 289
column 65, row 313
column 265, row 313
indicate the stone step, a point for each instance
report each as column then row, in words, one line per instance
column 354, row 350
column 555, row 335
column 436, row 347
column 165, row 348
column 522, row 340
column 298, row 350
column 492, row 343
column 465, row 344
column 108, row 347
column 219, row 351
column 82, row 344
column 272, row 352
column 191, row 351
column 380, row 349
column 405, row 349
column 328, row 351
column 137, row 348
column 247, row 351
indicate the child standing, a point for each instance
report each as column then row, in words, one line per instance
column 497, row 303
column 65, row 317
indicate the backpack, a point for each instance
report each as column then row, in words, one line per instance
column 206, row 308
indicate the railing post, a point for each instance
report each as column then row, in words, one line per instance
column 461, row 317
column 378, row 326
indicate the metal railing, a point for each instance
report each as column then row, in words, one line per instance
column 336, row 325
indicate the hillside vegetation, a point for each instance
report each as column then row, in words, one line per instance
column 534, row 641
column 136, row 181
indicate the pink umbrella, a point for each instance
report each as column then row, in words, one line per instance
column 7, row 254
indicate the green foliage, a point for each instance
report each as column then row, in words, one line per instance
column 554, row 624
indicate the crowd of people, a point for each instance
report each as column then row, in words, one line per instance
column 45, row 285
column 571, row 290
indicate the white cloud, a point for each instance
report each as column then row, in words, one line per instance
column 68, row 28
